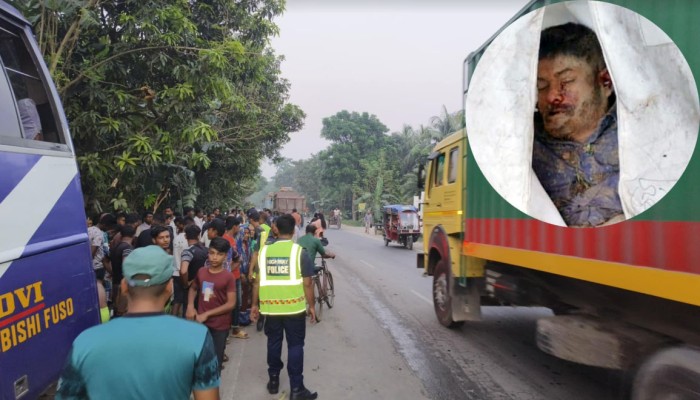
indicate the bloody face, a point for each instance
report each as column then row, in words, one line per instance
column 570, row 97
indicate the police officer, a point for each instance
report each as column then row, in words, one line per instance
column 284, row 288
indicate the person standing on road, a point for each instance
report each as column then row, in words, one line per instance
column 368, row 221
column 232, row 226
column 148, row 365
column 284, row 288
column 313, row 245
column 215, row 290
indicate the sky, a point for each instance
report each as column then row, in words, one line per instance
column 400, row 60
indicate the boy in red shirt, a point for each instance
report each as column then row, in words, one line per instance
column 216, row 291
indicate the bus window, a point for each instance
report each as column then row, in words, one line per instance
column 439, row 169
column 452, row 167
column 23, row 87
column 8, row 112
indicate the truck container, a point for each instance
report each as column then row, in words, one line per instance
column 286, row 199
column 624, row 296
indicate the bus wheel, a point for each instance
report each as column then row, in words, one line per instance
column 670, row 374
column 442, row 299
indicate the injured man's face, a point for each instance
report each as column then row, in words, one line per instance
column 571, row 98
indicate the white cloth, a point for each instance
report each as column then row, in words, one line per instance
column 31, row 123
column 179, row 245
column 96, row 237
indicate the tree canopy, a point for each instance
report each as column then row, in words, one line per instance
column 167, row 100
column 364, row 164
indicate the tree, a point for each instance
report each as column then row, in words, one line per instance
column 354, row 137
column 167, row 99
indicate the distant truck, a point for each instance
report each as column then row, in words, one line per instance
column 286, row 199
column 624, row 296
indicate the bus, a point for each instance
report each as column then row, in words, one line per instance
column 48, row 290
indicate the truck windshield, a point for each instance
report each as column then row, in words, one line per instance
column 409, row 220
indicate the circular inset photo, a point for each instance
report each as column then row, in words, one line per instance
column 582, row 114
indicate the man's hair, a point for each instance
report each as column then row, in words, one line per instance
column 188, row 220
column 108, row 221
column 192, row 232
column 311, row 229
column 264, row 216
column 139, row 292
column 232, row 221
column 127, row 230
column 158, row 218
column 132, row 218
column 218, row 225
column 179, row 220
column 220, row 244
column 294, row 210
column 146, row 214
column 157, row 230
column 574, row 40
column 285, row 224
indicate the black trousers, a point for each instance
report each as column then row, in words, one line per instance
column 219, row 339
column 294, row 328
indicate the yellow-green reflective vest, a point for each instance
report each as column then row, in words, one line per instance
column 281, row 283
column 264, row 234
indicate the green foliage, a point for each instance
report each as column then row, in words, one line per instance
column 363, row 164
column 168, row 100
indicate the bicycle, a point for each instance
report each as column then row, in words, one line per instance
column 324, row 291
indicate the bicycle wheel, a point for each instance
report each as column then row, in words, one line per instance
column 319, row 295
column 330, row 291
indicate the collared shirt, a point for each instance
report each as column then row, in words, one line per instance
column 581, row 178
column 151, row 367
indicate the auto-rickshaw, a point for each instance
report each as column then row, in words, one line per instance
column 401, row 224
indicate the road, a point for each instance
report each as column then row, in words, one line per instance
column 382, row 341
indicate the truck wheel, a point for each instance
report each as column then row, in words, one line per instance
column 409, row 242
column 670, row 374
column 442, row 299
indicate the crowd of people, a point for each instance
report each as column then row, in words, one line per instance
column 202, row 267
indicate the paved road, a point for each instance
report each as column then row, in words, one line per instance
column 382, row 341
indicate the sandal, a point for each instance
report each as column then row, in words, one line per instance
column 225, row 358
column 240, row 335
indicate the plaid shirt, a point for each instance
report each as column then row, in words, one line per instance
column 581, row 178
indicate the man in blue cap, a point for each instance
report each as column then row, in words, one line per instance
column 155, row 355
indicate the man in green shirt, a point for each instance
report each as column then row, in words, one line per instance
column 313, row 244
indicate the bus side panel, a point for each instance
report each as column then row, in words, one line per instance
column 47, row 300
column 15, row 167
column 64, row 225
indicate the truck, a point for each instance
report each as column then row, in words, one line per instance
column 286, row 199
column 624, row 296
column 48, row 290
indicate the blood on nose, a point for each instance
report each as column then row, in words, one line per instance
column 554, row 95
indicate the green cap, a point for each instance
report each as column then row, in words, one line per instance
column 152, row 261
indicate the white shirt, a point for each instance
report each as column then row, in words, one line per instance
column 179, row 245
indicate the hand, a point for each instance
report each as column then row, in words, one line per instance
column 191, row 314
column 254, row 313
column 312, row 314
column 202, row 318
